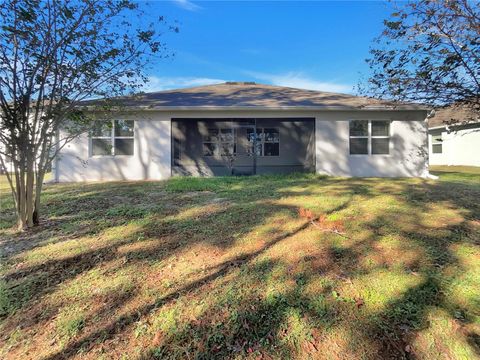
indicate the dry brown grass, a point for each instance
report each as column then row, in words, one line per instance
column 265, row 267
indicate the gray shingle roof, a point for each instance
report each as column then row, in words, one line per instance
column 251, row 95
column 454, row 113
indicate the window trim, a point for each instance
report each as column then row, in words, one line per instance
column 112, row 138
column 369, row 137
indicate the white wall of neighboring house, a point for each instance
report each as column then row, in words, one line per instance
column 459, row 147
column 152, row 155
column 8, row 164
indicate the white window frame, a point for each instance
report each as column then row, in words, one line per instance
column 112, row 138
column 369, row 137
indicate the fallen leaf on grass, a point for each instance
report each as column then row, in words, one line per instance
column 321, row 221
column 305, row 213
column 359, row 302
column 310, row 346
column 158, row 339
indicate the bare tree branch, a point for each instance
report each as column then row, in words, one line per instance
column 429, row 52
column 53, row 55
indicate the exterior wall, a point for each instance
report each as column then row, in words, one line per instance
column 8, row 166
column 460, row 147
column 152, row 158
column 408, row 146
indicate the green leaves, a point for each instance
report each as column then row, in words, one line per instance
column 428, row 52
column 55, row 55
column 146, row 36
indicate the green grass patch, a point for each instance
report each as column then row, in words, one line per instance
column 227, row 268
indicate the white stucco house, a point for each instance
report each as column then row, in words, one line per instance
column 457, row 144
column 245, row 128
column 7, row 162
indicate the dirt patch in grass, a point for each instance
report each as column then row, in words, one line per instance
column 298, row 266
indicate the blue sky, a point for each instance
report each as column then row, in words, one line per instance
column 314, row 45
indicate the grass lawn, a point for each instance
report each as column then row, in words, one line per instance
column 234, row 268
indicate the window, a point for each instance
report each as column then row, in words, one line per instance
column 437, row 146
column 102, row 138
column 220, row 142
column 380, row 137
column 113, row 138
column 369, row 137
column 359, row 137
column 267, row 141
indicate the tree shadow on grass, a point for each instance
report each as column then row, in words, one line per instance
column 126, row 320
column 388, row 331
column 76, row 210
column 253, row 324
column 474, row 341
column 394, row 328
column 38, row 281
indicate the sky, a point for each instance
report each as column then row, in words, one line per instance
column 315, row 45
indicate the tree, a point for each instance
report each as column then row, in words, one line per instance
column 429, row 52
column 53, row 55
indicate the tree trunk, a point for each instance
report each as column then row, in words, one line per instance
column 21, row 199
column 30, row 193
column 26, row 196
column 38, row 191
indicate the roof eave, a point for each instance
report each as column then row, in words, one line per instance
column 453, row 125
column 264, row 108
column 437, row 127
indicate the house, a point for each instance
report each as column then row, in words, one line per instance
column 5, row 160
column 244, row 128
column 454, row 137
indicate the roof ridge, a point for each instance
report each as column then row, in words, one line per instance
column 253, row 83
column 181, row 88
column 252, row 95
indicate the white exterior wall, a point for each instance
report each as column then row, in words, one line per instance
column 408, row 146
column 460, row 147
column 151, row 159
column 152, row 156
column 8, row 166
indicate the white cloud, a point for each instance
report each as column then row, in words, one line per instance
column 301, row 81
column 187, row 5
column 156, row 83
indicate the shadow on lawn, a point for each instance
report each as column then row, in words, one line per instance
column 128, row 319
column 394, row 328
column 259, row 323
column 32, row 283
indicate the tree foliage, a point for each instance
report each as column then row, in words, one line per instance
column 429, row 52
column 53, row 55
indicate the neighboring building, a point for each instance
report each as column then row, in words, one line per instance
column 455, row 144
column 7, row 161
column 247, row 128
